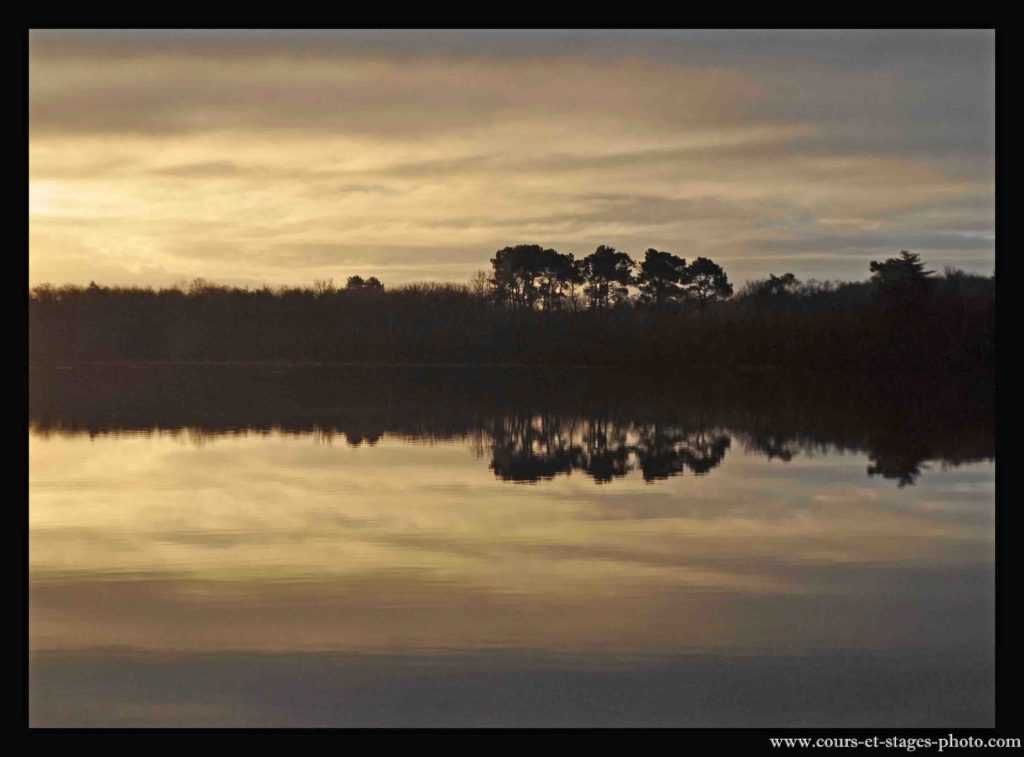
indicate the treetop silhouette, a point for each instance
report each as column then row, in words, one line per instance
column 539, row 306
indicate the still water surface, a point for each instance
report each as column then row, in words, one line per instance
column 432, row 547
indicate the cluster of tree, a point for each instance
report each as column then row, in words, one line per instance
column 539, row 307
column 529, row 276
column 325, row 287
column 533, row 424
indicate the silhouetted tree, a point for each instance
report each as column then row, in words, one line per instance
column 528, row 275
column 516, row 270
column 196, row 287
column 907, row 268
column 706, row 282
column 559, row 277
column 608, row 274
column 901, row 283
column 357, row 284
column 480, row 285
column 324, row 287
column 773, row 286
column 661, row 278
column 574, row 279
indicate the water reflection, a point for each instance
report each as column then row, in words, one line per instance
column 528, row 449
column 309, row 546
column 538, row 424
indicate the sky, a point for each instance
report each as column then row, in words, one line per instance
column 281, row 157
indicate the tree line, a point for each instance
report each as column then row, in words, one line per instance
column 539, row 306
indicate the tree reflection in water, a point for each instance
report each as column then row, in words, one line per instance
column 534, row 424
column 529, row 449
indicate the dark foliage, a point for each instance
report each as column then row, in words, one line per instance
column 661, row 279
column 538, row 307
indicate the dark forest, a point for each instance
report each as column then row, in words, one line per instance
column 539, row 307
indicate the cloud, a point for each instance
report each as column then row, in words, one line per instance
column 212, row 168
column 231, row 155
column 862, row 242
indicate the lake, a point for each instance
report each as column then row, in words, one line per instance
column 427, row 546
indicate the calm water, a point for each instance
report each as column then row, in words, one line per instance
column 308, row 546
